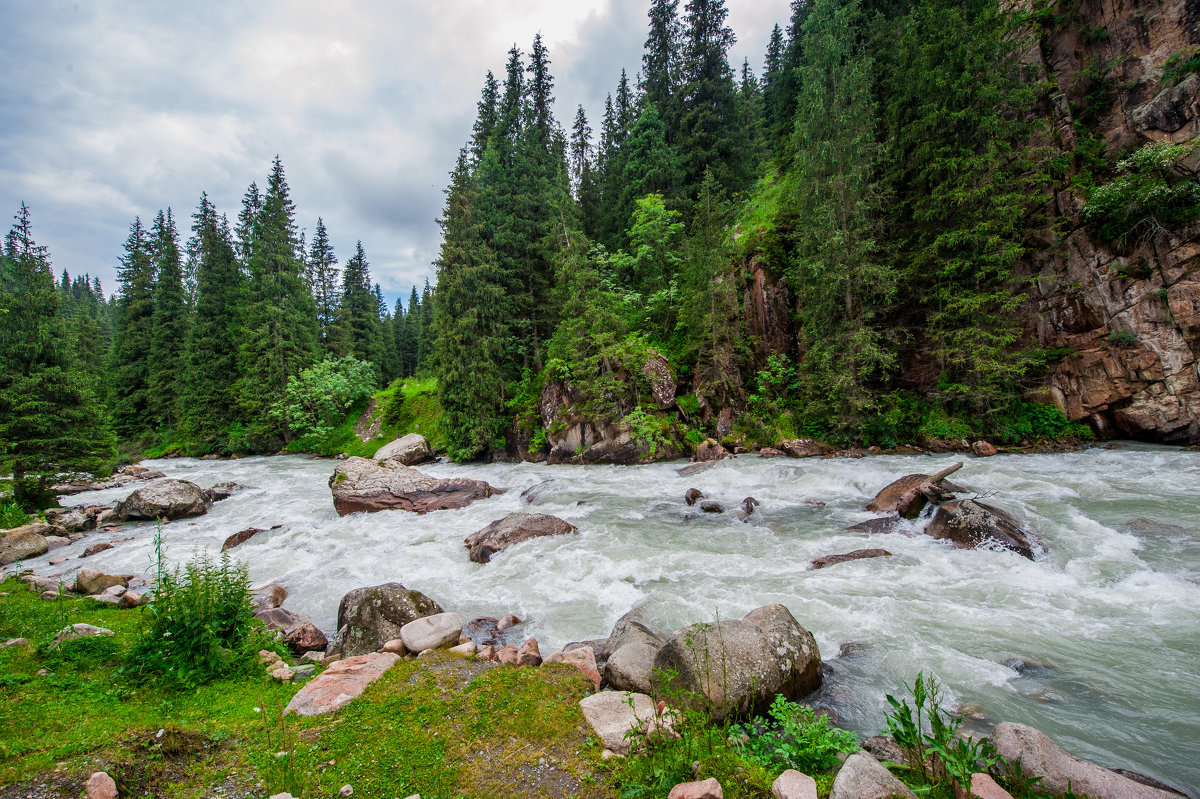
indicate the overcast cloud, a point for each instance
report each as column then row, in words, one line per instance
column 110, row 110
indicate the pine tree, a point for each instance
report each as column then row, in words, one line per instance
column 772, row 78
column 359, row 310
column 412, row 333
column 322, row 265
column 50, row 421
column 540, row 88
column 649, row 166
column 209, row 395
column 129, row 370
column 626, row 106
column 661, row 60
column 399, row 322
column 169, row 325
column 279, row 326
column 486, row 118
column 427, row 336
column 751, row 108
column 252, row 205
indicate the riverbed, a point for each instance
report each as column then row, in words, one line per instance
column 1097, row 642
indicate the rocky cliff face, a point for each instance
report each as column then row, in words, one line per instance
column 1131, row 318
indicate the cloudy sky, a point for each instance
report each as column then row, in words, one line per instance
column 110, row 110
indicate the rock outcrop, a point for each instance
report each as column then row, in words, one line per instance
column 513, row 529
column 370, row 617
column 408, row 450
column 364, row 485
column 163, row 499
column 739, row 666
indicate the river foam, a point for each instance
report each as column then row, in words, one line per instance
column 1112, row 606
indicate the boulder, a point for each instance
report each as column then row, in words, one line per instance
column 130, row 474
column 22, row 543
column 746, row 509
column 692, row 496
column 370, row 617
column 131, row 599
column 164, row 499
column 1059, row 771
column 712, row 506
column 507, row 622
column 702, row 789
column 465, row 649
column 57, row 542
column 340, row 683
column 629, row 653
column 983, row 449
column 299, row 633
column 507, row 654
column 737, row 667
column 111, row 595
column 793, row 784
column 804, row 448
column 529, row 654
column 968, row 523
column 863, row 777
column 513, row 529
column 91, row 581
column 858, row 554
column 583, row 659
column 365, row 485
column 709, row 450
column 95, row 549
column 223, row 490
column 270, row 595
column 885, row 749
column 242, row 536
column 613, row 714
column 408, row 450
column 100, row 786
column 984, row 787
column 79, row 631
column 884, row 524
column 889, row 498
column 73, row 520
column 431, row 632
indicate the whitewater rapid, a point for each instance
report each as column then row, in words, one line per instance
column 1111, row 607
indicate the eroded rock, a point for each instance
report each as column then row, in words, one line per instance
column 858, row 554
column 968, row 523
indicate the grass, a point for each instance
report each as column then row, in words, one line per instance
column 443, row 726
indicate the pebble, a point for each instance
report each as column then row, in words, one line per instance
column 345, row 791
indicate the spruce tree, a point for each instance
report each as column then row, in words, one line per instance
column 129, row 369
column 399, row 322
column 486, row 118
column 427, row 335
column 661, row 61
column 252, row 205
column 169, row 324
column 323, row 271
column 359, row 311
column 50, row 421
column 412, row 333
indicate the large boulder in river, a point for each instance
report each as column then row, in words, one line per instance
column 909, row 495
column 629, row 654
column 513, row 529
column 968, row 523
column 364, row 485
column 1060, row 771
column 163, row 499
column 408, row 450
column 737, row 667
column 370, row 617
column 23, row 542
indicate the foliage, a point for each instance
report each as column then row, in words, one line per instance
column 321, row 395
column 1154, row 190
column 794, row 736
column 200, row 624
column 11, row 514
column 1123, row 338
column 1177, row 67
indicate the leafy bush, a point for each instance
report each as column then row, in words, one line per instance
column 317, row 398
column 1123, row 338
column 201, row 624
column 11, row 514
column 1154, row 190
column 794, row 736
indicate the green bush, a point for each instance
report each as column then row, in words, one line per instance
column 317, row 399
column 11, row 514
column 794, row 736
column 201, row 624
column 1154, row 190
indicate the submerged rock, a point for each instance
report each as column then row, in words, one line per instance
column 968, row 523
column 513, row 529
column 370, row 617
column 363, row 485
column 408, row 450
column 885, row 524
column 242, row 536
column 739, row 666
column 164, row 499
column 858, row 554
column 692, row 496
column 223, row 490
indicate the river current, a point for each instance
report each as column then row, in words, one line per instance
column 1109, row 613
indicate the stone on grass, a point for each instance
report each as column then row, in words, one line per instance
column 346, row 792
column 282, row 796
column 101, row 786
column 396, row 646
column 299, row 633
column 507, row 654
column 14, row 642
column 283, row 675
column 583, row 659
column 91, row 581
column 613, row 714
column 984, row 787
column 370, row 617
column 529, row 654
column 793, row 784
column 704, row 789
column 340, row 683
column 466, row 649
column 79, row 631
column 131, row 599
column 111, row 595
column 1041, row 757
column 431, row 632
column 864, row 777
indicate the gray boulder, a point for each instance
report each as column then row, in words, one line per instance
column 431, row 632
column 737, row 667
column 73, row 520
column 365, row 485
column 370, row 617
column 223, row 490
column 408, row 450
column 864, row 777
column 21, row 543
column 629, row 654
column 163, row 499
column 968, row 523
column 513, row 529
column 270, row 595
column 1041, row 757
column 80, row 631
column 91, row 581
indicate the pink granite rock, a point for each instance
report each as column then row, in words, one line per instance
column 340, row 683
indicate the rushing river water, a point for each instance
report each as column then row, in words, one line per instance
column 1111, row 607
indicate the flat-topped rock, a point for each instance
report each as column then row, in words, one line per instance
column 340, row 684
column 513, row 529
column 858, row 554
column 362, row 485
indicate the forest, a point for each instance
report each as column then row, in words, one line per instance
column 888, row 166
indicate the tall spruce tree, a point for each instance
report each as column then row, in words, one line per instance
column 323, row 276
column 359, row 310
column 412, row 333
column 50, row 421
column 168, row 343
column 661, row 61
column 129, row 369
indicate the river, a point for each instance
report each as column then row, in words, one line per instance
column 1111, row 607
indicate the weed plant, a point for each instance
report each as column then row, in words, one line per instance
column 794, row 736
column 11, row 514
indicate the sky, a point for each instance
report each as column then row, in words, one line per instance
column 111, row 110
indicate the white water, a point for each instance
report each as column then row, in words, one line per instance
column 1114, row 612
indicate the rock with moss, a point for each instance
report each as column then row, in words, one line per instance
column 21, row 543
column 737, row 667
column 364, row 485
column 370, row 617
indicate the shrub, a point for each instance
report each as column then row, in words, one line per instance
column 201, row 624
column 11, row 514
column 794, row 736
column 1154, row 190
column 317, row 398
